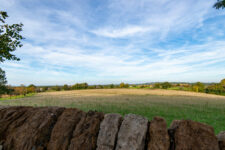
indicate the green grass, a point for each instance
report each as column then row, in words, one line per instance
column 174, row 88
column 18, row 96
column 212, row 115
column 202, row 109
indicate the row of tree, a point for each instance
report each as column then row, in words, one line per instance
column 217, row 88
column 80, row 86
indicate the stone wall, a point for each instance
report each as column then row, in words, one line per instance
column 56, row 128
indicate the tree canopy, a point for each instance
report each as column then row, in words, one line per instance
column 219, row 4
column 222, row 82
column 10, row 38
column 3, row 81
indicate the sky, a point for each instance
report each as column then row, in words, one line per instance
column 113, row 41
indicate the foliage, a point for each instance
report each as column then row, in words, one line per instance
column 79, row 86
column 216, row 89
column 92, row 87
column 31, row 89
column 99, row 87
column 222, row 82
column 56, row 88
column 2, row 77
column 219, row 4
column 157, row 85
column 3, row 88
column 198, row 87
column 111, row 86
column 10, row 38
column 17, row 96
column 123, row 85
column 66, row 87
column 21, row 90
column 166, row 85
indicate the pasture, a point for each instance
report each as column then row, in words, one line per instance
column 170, row 104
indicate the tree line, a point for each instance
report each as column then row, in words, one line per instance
column 213, row 88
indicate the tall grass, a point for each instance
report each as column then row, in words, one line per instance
column 203, row 109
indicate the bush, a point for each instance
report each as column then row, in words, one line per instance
column 66, row 87
column 198, row 87
column 166, row 85
column 123, row 85
column 157, row 85
column 79, row 86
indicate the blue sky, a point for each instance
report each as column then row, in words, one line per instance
column 110, row 41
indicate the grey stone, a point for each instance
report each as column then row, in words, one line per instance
column 132, row 133
column 221, row 140
column 158, row 135
column 108, row 132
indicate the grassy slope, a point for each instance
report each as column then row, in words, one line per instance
column 18, row 96
column 203, row 109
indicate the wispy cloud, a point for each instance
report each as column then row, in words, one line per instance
column 117, row 33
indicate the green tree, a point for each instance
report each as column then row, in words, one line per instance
column 31, row 89
column 56, row 88
column 198, row 87
column 78, row 86
column 84, row 85
column 3, row 81
column 65, row 87
column 157, row 85
column 122, row 85
column 10, row 39
column 219, row 4
column 222, row 83
column 111, row 86
column 166, row 85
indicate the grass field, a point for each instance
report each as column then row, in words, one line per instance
column 170, row 104
column 18, row 96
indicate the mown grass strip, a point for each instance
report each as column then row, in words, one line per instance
column 17, row 96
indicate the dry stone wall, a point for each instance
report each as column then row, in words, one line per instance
column 55, row 128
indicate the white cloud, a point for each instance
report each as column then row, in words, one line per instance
column 128, row 41
column 117, row 33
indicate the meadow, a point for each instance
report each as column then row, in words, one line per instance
column 170, row 104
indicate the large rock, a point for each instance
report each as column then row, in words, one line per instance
column 33, row 130
column 86, row 132
column 11, row 118
column 221, row 140
column 3, row 107
column 132, row 133
column 190, row 135
column 108, row 132
column 158, row 135
column 63, row 129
